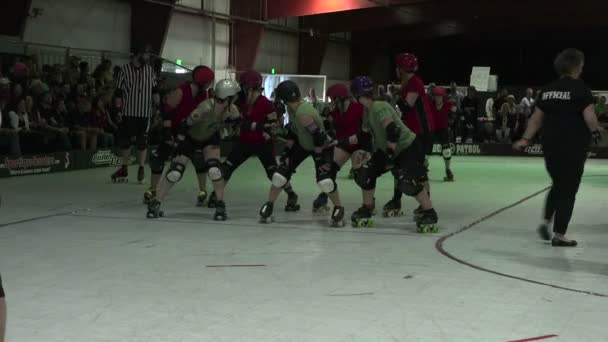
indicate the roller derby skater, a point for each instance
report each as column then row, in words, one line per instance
column 258, row 129
column 395, row 148
column 392, row 209
column 178, row 105
column 319, row 205
column 345, row 118
column 416, row 111
column 442, row 109
column 198, row 140
column 137, row 92
column 308, row 138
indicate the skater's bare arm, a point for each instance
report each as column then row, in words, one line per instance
column 534, row 124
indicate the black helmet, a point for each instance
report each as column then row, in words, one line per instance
column 288, row 91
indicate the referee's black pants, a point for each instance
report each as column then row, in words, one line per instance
column 566, row 169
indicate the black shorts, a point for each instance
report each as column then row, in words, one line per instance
column 132, row 127
column 241, row 152
column 1, row 288
column 350, row 148
column 410, row 160
column 442, row 136
column 190, row 146
column 427, row 143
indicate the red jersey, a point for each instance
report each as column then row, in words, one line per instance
column 418, row 119
column 187, row 104
column 256, row 112
column 349, row 123
column 441, row 114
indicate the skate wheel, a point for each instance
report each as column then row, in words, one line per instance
column 266, row 220
column 220, row 218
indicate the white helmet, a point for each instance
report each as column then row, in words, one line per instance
column 226, row 88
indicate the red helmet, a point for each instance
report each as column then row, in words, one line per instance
column 407, row 61
column 251, row 79
column 439, row 91
column 202, row 75
column 337, row 90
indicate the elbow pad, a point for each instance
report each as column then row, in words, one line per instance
column 404, row 107
column 392, row 132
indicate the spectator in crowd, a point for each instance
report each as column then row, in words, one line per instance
column 30, row 141
column 455, row 95
column 506, row 120
column 500, row 100
column 470, row 114
column 9, row 138
column 527, row 103
column 55, row 134
column 100, row 123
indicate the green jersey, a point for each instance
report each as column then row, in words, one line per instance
column 304, row 137
column 207, row 121
column 373, row 122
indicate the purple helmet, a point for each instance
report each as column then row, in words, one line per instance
column 362, row 86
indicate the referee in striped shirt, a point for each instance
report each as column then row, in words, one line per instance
column 137, row 88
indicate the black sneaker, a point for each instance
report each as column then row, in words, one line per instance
column 562, row 243
column 543, row 232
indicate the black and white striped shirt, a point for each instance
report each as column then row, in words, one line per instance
column 136, row 85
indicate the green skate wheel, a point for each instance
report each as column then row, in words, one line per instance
column 434, row 229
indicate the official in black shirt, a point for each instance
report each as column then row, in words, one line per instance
column 565, row 112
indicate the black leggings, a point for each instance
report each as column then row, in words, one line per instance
column 1, row 289
column 566, row 170
column 241, row 152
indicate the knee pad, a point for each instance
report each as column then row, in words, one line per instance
column 175, row 172
column 409, row 185
column 198, row 160
column 327, row 185
column 141, row 142
column 270, row 171
column 279, row 180
column 446, row 151
column 364, row 179
column 214, row 169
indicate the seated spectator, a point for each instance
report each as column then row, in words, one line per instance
column 9, row 138
column 527, row 103
column 455, row 95
column 100, row 123
column 29, row 140
column 51, row 126
column 506, row 120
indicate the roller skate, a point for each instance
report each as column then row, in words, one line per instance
column 337, row 217
column 220, row 211
column 149, row 195
column 362, row 217
column 449, row 176
column 543, row 232
column 417, row 213
column 201, row 199
column 154, row 209
column 392, row 208
column 427, row 222
column 121, row 175
column 141, row 175
column 212, row 201
column 319, row 205
column 266, row 213
column 292, row 202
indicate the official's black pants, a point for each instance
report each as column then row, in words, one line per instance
column 566, row 170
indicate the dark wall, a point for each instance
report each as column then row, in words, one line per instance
column 518, row 59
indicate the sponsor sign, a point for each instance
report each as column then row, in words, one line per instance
column 107, row 158
column 35, row 164
column 460, row 149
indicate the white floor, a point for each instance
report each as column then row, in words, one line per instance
column 80, row 262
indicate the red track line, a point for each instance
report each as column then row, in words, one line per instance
column 235, row 266
column 441, row 249
column 535, row 338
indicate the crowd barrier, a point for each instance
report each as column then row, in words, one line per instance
column 81, row 160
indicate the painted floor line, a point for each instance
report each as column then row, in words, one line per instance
column 440, row 248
